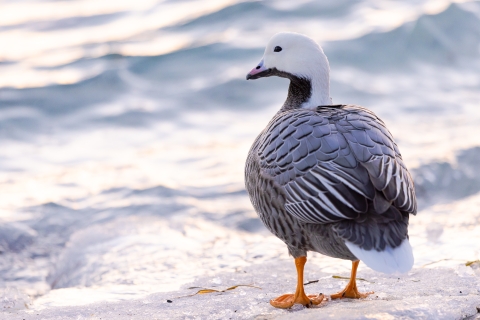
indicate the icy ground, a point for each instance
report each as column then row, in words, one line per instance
column 425, row 293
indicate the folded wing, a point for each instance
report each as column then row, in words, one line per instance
column 338, row 164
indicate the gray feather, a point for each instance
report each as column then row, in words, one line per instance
column 330, row 173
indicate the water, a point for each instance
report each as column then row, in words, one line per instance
column 124, row 127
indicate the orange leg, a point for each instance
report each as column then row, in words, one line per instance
column 350, row 290
column 287, row 300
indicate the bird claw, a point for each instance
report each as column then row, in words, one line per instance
column 351, row 293
column 288, row 300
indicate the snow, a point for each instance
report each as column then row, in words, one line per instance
column 424, row 293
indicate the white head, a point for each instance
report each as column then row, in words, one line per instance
column 295, row 56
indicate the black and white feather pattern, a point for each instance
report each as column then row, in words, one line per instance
column 336, row 166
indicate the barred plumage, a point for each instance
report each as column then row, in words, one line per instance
column 337, row 167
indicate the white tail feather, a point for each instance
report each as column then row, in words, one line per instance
column 389, row 260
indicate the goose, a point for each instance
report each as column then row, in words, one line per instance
column 327, row 178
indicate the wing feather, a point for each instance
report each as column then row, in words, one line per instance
column 333, row 162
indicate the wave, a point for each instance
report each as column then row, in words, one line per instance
column 443, row 182
column 246, row 15
column 208, row 77
column 14, row 237
column 449, row 38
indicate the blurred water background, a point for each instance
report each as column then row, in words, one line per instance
column 124, row 127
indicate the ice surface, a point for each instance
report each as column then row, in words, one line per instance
column 14, row 299
column 425, row 293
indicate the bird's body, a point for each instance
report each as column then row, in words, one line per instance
column 328, row 178
column 309, row 178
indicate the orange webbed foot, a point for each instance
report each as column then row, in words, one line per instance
column 351, row 290
column 288, row 300
column 350, row 293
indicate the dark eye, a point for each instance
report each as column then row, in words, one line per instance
column 277, row 49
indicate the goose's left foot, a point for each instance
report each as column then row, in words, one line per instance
column 351, row 290
column 288, row 300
